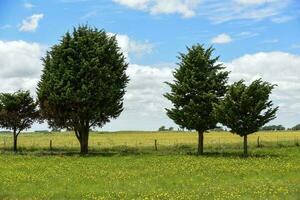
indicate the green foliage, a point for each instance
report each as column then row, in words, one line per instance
column 200, row 81
column 18, row 111
column 273, row 128
column 163, row 128
column 297, row 127
column 83, row 81
column 245, row 109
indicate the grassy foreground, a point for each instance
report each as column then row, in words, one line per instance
column 126, row 166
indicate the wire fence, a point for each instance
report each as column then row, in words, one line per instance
column 150, row 140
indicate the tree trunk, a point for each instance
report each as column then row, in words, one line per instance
column 84, row 142
column 15, row 138
column 200, row 142
column 245, row 146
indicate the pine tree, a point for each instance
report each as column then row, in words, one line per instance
column 245, row 109
column 200, row 82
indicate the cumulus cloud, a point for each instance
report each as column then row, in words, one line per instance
column 221, row 39
column 186, row 8
column 30, row 24
column 20, row 63
column 146, row 88
column 131, row 47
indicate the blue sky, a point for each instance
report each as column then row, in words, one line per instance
column 254, row 38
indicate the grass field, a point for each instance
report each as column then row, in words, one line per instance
column 125, row 165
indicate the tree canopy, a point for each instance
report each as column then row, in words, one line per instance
column 245, row 109
column 18, row 111
column 83, row 82
column 200, row 82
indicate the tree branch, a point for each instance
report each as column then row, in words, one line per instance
column 77, row 134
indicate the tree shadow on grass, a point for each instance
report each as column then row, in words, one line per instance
column 234, row 155
column 134, row 151
column 103, row 152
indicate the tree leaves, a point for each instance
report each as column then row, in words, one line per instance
column 199, row 83
column 83, row 80
column 18, row 110
column 245, row 109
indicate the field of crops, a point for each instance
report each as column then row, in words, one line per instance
column 125, row 165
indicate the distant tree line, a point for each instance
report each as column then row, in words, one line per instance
column 295, row 128
column 163, row 128
column 273, row 128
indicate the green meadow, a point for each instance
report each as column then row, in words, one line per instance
column 126, row 165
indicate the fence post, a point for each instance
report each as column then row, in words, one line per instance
column 155, row 144
column 50, row 145
column 258, row 145
column 4, row 142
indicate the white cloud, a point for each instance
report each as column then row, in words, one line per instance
column 28, row 5
column 20, row 63
column 146, row 88
column 247, row 34
column 131, row 47
column 30, row 24
column 137, row 4
column 224, row 11
column 144, row 103
column 253, row 2
column 214, row 10
column 221, row 39
column 186, row 8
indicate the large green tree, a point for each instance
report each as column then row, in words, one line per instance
column 200, row 82
column 245, row 109
column 18, row 111
column 83, row 82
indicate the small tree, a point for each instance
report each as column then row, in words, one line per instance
column 245, row 109
column 199, row 83
column 83, row 82
column 162, row 128
column 18, row 111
